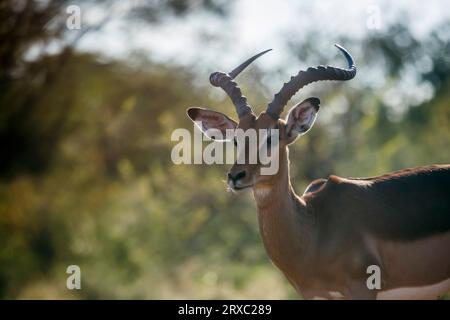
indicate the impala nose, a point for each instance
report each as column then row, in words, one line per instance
column 236, row 177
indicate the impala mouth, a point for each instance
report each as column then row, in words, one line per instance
column 243, row 187
column 238, row 188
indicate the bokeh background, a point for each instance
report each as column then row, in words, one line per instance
column 86, row 117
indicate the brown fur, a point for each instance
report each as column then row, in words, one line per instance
column 324, row 241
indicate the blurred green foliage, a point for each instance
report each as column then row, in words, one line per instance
column 86, row 176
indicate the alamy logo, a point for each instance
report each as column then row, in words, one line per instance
column 242, row 147
column 73, row 22
column 374, row 280
column 74, row 280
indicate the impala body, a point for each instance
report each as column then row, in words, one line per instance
column 324, row 240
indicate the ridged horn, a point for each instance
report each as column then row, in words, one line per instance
column 304, row 78
column 225, row 81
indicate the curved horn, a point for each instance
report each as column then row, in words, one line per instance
column 304, row 78
column 225, row 81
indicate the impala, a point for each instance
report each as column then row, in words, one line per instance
column 324, row 240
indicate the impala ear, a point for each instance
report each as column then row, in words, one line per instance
column 212, row 123
column 301, row 118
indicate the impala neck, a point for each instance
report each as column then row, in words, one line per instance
column 282, row 219
column 278, row 193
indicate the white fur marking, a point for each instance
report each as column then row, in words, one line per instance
column 430, row 292
column 261, row 193
column 336, row 295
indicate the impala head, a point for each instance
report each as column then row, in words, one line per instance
column 300, row 118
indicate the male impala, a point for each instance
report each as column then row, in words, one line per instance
column 324, row 240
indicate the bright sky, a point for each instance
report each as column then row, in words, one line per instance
column 210, row 43
column 255, row 25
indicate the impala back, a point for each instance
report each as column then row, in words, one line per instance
column 401, row 218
